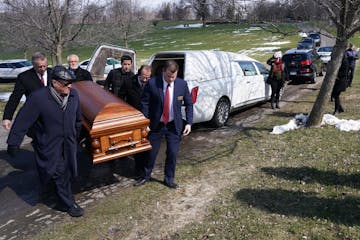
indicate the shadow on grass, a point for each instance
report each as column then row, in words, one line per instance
column 344, row 210
column 310, row 175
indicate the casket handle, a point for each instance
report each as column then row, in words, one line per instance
column 130, row 143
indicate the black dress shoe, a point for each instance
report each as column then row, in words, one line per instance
column 171, row 185
column 75, row 210
column 140, row 182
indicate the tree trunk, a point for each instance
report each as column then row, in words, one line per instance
column 58, row 54
column 318, row 109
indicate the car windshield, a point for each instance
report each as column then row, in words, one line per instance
column 317, row 36
column 111, row 61
column 307, row 40
column 22, row 64
column 294, row 57
column 325, row 49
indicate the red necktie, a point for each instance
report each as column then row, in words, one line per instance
column 42, row 79
column 166, row 109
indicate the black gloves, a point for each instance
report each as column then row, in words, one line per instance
column 12, row 150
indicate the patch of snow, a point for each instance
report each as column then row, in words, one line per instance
column 4, row 97
column 276, row 43
column 194, row 44
column 194, row 25
column 253, row 29
column 149, row 44
column 259, row 49
column 302, row 34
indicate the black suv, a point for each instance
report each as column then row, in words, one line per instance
column 304, row 64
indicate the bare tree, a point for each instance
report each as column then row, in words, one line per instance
column 345, row 16
column 52, row 23
column 202, row 9
column 126, row 21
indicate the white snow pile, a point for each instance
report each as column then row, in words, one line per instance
column 194, row 25
column 328, row 119
column 276, row 43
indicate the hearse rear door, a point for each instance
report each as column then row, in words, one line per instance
column 100, row 58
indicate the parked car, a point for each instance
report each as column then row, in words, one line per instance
column 111, row 63
column 306, row 43
column 325, row 53
column 317, row 38
column 302, row 64
column 219, row 82
column 10, row 69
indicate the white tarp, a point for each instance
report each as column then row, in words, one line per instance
column 328, row 119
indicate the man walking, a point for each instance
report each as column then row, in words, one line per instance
column 80, row 74
column 352, row 56
column 134, row 89
column 55, row 117
column 26, row 83
column 161, row 102
column 116, row 78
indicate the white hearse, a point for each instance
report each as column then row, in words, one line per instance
column 219, row 82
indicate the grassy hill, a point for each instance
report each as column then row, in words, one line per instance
column 226, row 37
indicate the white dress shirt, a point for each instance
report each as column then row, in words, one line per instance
column 45, row 76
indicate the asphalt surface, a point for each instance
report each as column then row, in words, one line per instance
column 22, row 211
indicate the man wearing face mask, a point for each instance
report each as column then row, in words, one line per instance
column 54, row 115
column 80, row 74
column 27, row 82
column 115, row 80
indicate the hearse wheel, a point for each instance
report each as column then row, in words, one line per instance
column 221, row 114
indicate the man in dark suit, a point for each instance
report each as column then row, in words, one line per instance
column 80, row 74
column 26, row 83
column 116, row 78
column 161, row 102
column 134, row 89
column 54, row 115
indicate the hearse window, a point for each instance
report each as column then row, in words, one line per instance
column 248, row 68
column 262, row 68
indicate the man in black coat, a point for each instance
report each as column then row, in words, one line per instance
column 340, row 85
column 80, row 74
column 26, row 83
column 115, row 80
column 134, row 89
column 54, row 114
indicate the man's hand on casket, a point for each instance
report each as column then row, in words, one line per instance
column 13, row 150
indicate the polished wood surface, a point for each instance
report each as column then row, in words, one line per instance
column 115, row 128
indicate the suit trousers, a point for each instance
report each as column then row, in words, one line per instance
column 61, row 178
column 172, row 147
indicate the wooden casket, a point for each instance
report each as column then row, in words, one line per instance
column 115, row 129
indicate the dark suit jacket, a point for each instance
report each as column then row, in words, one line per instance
column 115, row 81
column 55, row 130
column 26, row 83
column 82, row 74
column 133, row 92
column 152, row 101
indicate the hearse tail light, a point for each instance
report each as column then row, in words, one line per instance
column 194, row 93
column 305, row 62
